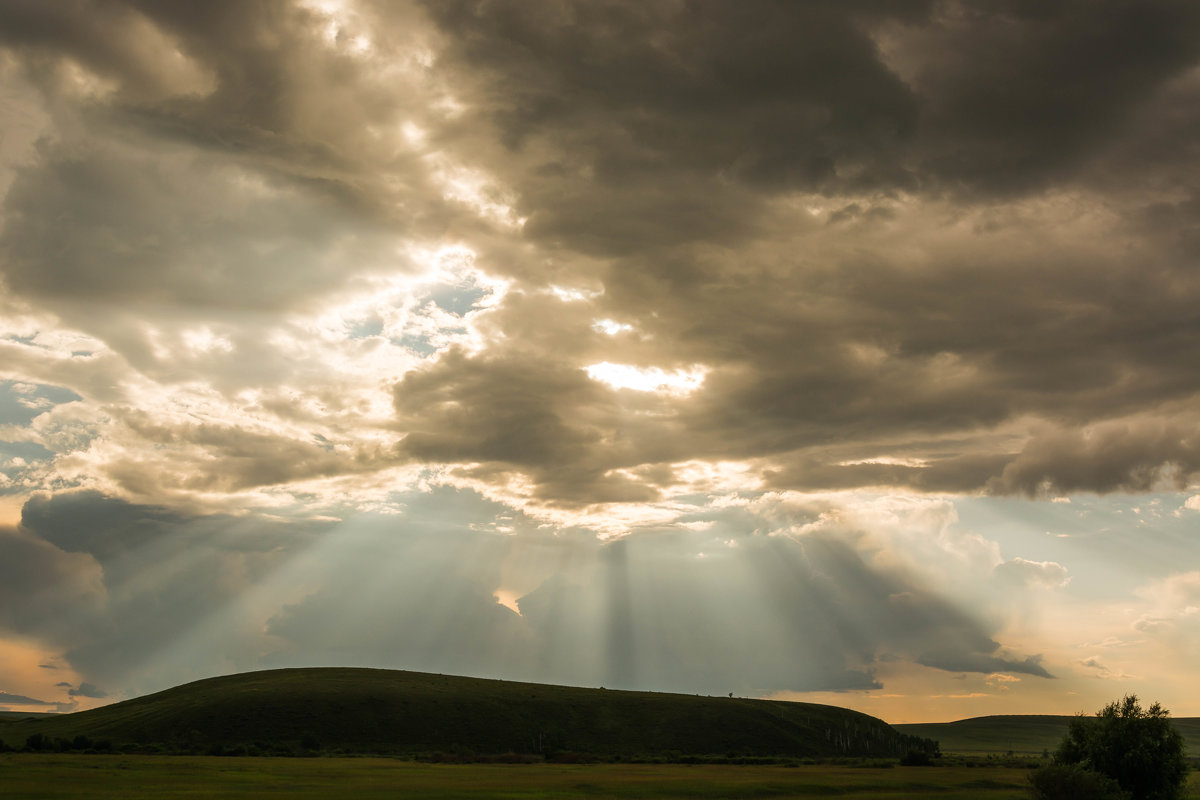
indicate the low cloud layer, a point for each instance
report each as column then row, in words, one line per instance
column 176, row 597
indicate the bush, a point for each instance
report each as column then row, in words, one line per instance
column 1136, row 747
column 1073, row 782
column 916, row 758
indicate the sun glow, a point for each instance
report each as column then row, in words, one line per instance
column 677, row 383
column 611, row 327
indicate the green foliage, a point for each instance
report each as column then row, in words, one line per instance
column 1137, row 747
column 1073, row 782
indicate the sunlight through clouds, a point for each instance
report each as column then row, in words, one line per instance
column 669, row 346
column 678, row 383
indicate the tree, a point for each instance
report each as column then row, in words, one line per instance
column 1136, row 747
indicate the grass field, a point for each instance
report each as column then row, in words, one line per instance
column 30, row 776
column 63, row 776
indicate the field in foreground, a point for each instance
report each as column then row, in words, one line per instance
column 62, row 776
column 34, row 777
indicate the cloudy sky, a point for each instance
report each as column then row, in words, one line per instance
column 836, row 351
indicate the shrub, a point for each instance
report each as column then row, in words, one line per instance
column 916, row 758
column 1073, row 782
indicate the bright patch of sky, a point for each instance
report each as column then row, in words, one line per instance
column 1111, row 544
column 678, row 383
column 611, row 327
column 20, row 401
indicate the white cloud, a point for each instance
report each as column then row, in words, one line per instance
column 1047, row 574
column 1099, row 669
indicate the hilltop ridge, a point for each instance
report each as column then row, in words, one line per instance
column 354, row 710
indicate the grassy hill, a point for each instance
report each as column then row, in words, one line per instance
column 368, row 710
column 1023, row 734
column 4, row 715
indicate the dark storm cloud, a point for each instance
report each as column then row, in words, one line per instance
column 883, row 228
column 1133, row 457
column 1019, row 94
column 959, row 280
column 651, row 102
column 644, row 125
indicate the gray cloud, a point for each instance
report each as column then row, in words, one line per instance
column 104, row 224
column 112, row 39
column 705, row 166
column 45, row 589
column 20, row 699
column 1019, row 95
column 917, row 337
column 673, row 115
column 1135, row 456
column 86, row 689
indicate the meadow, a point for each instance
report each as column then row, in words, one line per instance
column 121, row 776
column 36, row 776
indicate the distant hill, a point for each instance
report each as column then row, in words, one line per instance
column 26, row 714
column 1023, row 734
column 389, row 711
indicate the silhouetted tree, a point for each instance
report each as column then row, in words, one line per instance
column 1136, row 747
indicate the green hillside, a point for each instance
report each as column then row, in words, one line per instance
column 1022, row 734
column 367, row 710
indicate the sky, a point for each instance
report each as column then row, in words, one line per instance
column 830, row 351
